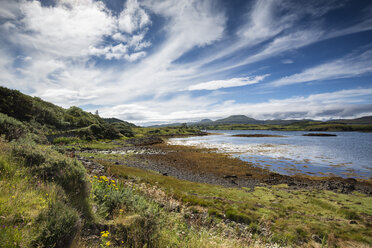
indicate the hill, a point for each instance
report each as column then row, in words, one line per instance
column 366, row 120
column 237, row 119
column 21, row 114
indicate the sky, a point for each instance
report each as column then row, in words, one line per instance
column 164, row 61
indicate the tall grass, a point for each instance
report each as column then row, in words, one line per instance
column 42, row 196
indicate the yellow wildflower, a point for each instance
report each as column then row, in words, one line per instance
column 121, row 210
column 108, row 243
column 105, row 234
column 104, row 178
column 95, row 177
column 113, row 181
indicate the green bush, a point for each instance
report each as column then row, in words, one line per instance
column 29, row 154
column 51, row 166
column 143, row 230
column 57, row 226
column 11, row 128
column 124, row 128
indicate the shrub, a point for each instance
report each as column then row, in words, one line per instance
column 143, row 229
column 57, row 226
column 11, row 128
column 142, row 232
column 51, row 166
column 29, row 154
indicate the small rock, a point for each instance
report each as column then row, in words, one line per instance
column 316, row 238
column 230, row 176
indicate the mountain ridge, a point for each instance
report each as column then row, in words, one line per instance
column 243, row 119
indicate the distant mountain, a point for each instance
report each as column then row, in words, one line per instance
column 237, row 119
column 361, row 120
column 242, row 119
column 205, row 121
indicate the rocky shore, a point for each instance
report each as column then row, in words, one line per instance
column 206, row 166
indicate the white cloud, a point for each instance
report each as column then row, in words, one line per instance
column 232, row 82
column 287, row 61
column 133, row 17
column 65, row 30
column 349, row 66
column 338, row 104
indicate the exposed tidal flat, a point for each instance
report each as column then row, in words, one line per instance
column 345, row 154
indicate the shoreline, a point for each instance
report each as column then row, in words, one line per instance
column 204, row 165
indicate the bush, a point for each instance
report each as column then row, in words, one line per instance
column 104, row 131
column 142, row 232
column 143, row 229
column 51, row 166
column 57, row 226
column 124, row 129
column 11, row 128
column 29, row 154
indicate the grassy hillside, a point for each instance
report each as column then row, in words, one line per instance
column 43, row 196
column 21, row 114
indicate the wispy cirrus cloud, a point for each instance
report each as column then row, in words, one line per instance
column 232, row 82
column 346, row 67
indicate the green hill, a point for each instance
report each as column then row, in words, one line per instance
column 366, row 120
column 21, row 114
column 237, row 119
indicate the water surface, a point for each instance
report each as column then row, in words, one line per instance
column 349, row 154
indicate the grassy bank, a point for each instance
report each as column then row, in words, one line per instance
column 276, row 214
column 43, row 196
column 48, row 200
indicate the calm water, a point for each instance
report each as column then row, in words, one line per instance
column 349, row 154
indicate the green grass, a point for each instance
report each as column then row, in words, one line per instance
column 36, row 211
column 146, row 131
column 300, row 213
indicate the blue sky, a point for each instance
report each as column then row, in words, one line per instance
column 167, row 61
